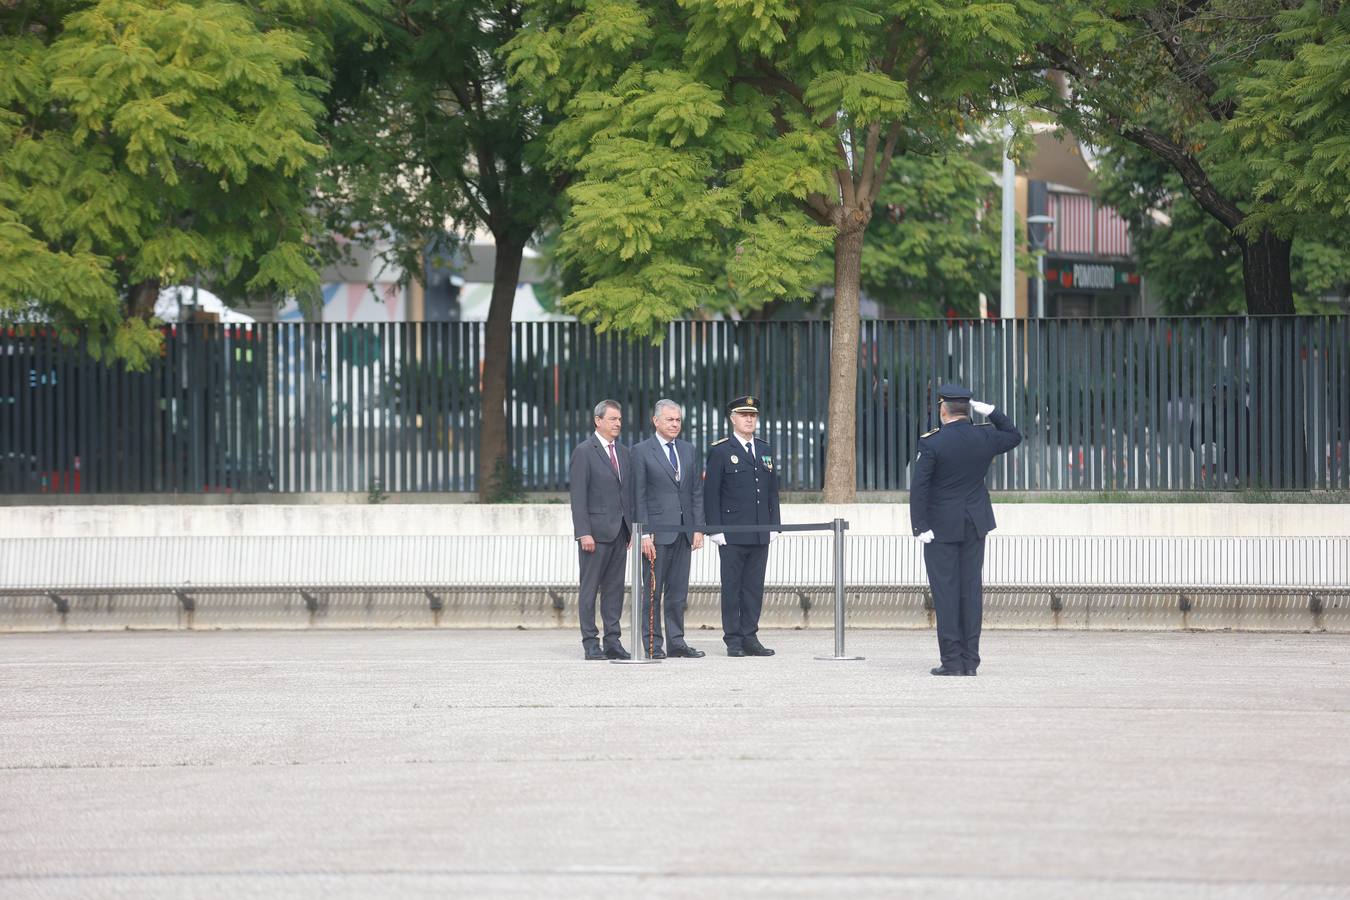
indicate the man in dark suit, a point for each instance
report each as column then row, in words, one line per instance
column 950, row 513
column 669, row 487
column 601, row 487
column 741, row 488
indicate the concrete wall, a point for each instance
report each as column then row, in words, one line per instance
column 552, row 605
column 1163, row 519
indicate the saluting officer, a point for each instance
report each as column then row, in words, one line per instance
column 950, row 512
column 741, row 488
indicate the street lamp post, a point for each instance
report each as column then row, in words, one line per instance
column 1038, row 233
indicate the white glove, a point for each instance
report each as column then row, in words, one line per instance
column 926, row 537
column 981, row 407
column 773, row 536
column 718, row 539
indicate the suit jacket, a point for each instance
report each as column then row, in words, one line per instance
column 949, row 476
column 660, row 499
column 602, row 504
column 741, row 490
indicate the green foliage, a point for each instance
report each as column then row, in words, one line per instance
column 145, row 141
column 1292, row 122
column 376, row 494
column 1192, row 263
column 721, row 146
column 508, row 484
column 427, row 135
column 1246, row 101
column 934, row 244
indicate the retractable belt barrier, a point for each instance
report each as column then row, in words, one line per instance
column 838, row 527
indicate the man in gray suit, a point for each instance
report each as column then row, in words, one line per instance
column 669, row 486
column 601, row 485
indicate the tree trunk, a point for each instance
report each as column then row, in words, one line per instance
column 142, row 299
column 492, row 458
column 1265, row 274
column 841, row 467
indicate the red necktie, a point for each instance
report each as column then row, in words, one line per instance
column 614, row 461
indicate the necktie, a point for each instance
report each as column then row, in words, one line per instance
column 614, row 461
column 674, row 462
column 750, row 451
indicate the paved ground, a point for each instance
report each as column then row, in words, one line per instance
column 421, row 764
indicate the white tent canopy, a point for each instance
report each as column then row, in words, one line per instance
column 176, row 303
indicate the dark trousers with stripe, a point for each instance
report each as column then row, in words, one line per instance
column 954, row 574
column 743, row 567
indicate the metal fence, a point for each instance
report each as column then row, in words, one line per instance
column 1106, row 404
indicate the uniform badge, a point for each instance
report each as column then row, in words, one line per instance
column 734, row 459
column 768, row 462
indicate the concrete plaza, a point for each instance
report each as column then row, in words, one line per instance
column 499, row 763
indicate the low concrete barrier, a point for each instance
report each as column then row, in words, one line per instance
column 458, row 565
column 554, row 606
column 1089, row 519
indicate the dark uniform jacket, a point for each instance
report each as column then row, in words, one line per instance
column 949, row 476
column 738, row 490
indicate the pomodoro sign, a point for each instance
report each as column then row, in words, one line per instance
column 1089, row 276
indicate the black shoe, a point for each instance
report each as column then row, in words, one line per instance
column 735, row 651
column 757, row 649
column 686, row 652
column 658, row 653
column 617, row 652
column 970, row 672
column 594, row 653
column 943, row 670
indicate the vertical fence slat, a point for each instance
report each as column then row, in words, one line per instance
column 1231, row 403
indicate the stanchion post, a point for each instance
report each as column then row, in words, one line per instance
column 839, row 528
column 635, row 558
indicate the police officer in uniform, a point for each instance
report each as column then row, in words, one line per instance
column 741, row 488
column 950, row 513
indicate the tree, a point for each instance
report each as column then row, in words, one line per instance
column 1200, row 85
column 1193, row 265
column 933, row 244
column 142, row 142
column 428, row 135
column 724, row 146
column 1292, row 121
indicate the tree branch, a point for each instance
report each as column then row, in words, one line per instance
column 874, row 171
column 887, row 154
column 1192, row 173
column 843, row 175
column 1190, row 71
column 866, row 174
column 1184, row 164
column 785, row 84
column 817, row 206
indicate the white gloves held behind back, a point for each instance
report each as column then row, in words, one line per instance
column 721, row 539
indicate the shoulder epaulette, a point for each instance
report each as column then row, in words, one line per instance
column 930, row 433
column 720, row 441
column 985, row 425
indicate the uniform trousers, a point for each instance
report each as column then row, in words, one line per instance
column 671, row 574
column 743, row 568
column 954, row 574
column 602, row 572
